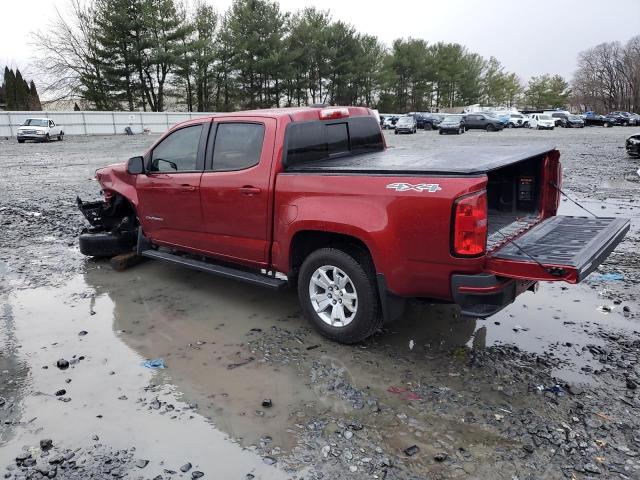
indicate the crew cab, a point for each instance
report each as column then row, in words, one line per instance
column 39, row 129
column 312, row 198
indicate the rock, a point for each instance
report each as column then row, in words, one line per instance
column 267, row 403
column 348, row 434
column 82, row 333
column 197, row 474
column 186, row 467
column 21, row 457
column 46, row 444
column 269, row 460
column 353, row 468
column 141, row 463
column 440, row 457
column 412, row 450
column 61, row 392
column 62, row 364
column 591, row 468
column 249, row 476
column 527, row 447
column 326, row 450
column 575, row 389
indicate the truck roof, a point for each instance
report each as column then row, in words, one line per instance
column 465, row 160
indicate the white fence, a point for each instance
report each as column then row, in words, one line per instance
column 98, row 123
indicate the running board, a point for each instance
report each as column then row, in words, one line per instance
column 220, row 270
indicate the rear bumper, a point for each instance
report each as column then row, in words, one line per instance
column 485, row 294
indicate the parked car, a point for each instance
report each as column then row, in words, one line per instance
column 541, row 121
column 634, row 119
column 558, row 117
column 406, row 124
column 628, row 118
column 482, row 121
column 390, row 122
column 617, row 119
column 517, row 120
column 39, row 129
column 632, row 144
column 572, row 121
column 311, row 198
column 453, row 124
column 594, row 119
column 425, row 120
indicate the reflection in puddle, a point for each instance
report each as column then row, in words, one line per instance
column 104, row 386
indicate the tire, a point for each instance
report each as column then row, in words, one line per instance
column 526, row 125
column 20, row 141
column 104, row 244
column 510, row 125
column 552, row 128
column 356, row 266
column 607, row 125
column 441, row 132
column 428, row 126
column 395, row 132
column 490, row 128
column 61, row 136
column 47, row 138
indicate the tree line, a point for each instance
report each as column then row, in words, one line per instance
column 16, row 93
column 146, row 54
column 608, row 77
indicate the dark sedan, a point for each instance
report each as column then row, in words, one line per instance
column 633, row 145
column 572, row 121
column 453, row 124
column 483, row 121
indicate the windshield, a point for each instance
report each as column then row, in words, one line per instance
column 452, row 119
column 516, row 115
column 544, row 117
column 574, row 117
column 405, row 121
column 35, row 122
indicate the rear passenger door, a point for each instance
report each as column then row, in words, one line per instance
column 236, row 189
column 474, row 121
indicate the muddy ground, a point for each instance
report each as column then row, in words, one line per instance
column 547, row 388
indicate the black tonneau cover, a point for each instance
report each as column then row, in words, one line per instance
column 460, row 160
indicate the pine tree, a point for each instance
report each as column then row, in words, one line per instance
column 21, row 92
column 9, row 88
column 34, row 98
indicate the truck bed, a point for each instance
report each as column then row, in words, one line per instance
column 452, row 160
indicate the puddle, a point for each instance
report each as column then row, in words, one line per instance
column 42, row 325
column 199, row 324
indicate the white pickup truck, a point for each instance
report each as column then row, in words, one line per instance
column 39, row 129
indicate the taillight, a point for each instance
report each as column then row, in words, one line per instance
column 333, row 113
column 470, row 225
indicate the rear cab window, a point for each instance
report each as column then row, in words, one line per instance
column 318, row 140
column 236, row 146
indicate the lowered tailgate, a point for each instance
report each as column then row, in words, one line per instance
column 558, row 248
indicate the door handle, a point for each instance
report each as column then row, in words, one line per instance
column 188, row 188
column 248, row 190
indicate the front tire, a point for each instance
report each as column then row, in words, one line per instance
column 490, row 128
column 338, row 294
column 47, row 138
column 20, row 140
column 104, row 244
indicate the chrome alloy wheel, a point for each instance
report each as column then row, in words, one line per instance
column 333, row 296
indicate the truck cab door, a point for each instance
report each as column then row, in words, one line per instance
column 169, row 192
column 236, row 189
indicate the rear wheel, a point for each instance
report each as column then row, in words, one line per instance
column 510, row 125
column 395, row 132
column 338, row 294
column 490, row 128
column 441, row 132
column 460, row 130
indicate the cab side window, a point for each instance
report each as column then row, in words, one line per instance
column 178, row 152
column 237, row 146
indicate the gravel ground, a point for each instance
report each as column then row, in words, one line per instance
column 544, row 389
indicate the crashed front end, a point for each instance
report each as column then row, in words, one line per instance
column 632, row 145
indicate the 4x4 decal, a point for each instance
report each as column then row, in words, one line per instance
column 418, row 187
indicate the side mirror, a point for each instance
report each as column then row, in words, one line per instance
column 135, row 165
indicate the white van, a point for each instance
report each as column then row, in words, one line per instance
column 541, row 121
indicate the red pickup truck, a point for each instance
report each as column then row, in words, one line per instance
column 311, row 197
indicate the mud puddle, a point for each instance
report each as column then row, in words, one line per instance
column 200, row 326
column 110, row 400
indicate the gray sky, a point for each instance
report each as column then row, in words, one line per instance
column 529, row 37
